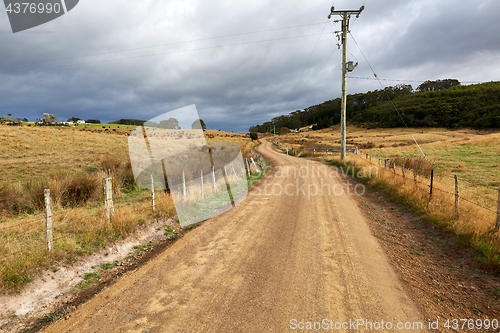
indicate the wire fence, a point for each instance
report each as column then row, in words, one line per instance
column 451, row 185
column 22, row 233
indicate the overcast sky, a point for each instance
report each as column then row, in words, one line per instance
column 240, row 64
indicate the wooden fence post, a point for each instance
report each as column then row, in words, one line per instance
column 415, row 175
column 247, row 167
column 202, row 186
column 497, row 225
column 152, row 193
column 403, row 171
column 457, row 196
column 234, row 172
column 394, row 167
column 386, row 163
column 48, row 219
column 214, row 186
column 183, row 184
column 108, row 198
column 255, row 165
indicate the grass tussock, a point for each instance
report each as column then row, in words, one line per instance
column 66, row 191
column 422, row 165
column 474, row 224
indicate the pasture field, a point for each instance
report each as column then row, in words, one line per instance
column 72, row 162
column 32, row 153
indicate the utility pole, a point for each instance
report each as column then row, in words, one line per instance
column 346, row 67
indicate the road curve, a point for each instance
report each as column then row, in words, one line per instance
column 296, row 251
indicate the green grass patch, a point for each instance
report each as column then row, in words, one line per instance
column 172, row 237
column 108, row 265
column 89, row 279
column 53, row 316
column 143, row 248
column 169, row 230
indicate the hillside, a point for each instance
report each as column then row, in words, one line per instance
column 432, row 104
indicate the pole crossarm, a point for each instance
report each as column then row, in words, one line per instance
column 345, row 12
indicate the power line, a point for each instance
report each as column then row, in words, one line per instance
column 310, row 56
column 383, row 88
column 161, row 45
column 177, row 51
column 396, row 80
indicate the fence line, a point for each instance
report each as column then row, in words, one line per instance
column 432, row 187
column 48, row 223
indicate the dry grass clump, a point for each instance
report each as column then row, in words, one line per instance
column 422, row 165
column 66, row 191
column 110, row 163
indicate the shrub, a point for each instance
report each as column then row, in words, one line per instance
column 110, row 163
column 79, row 189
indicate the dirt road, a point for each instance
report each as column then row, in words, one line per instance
column 296, row 251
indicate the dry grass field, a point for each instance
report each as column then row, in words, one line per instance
column 71, row 162
column 473, row 155
column 39, row 152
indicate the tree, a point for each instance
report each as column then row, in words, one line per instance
column 73, row 119
column 199, row 124
column 438, row 85
column 170, row 123
column 48, row 118
column 134, row 122
column 93, row 121
column 254, row 136
column 284, row 130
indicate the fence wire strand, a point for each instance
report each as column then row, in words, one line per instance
column 434, row 187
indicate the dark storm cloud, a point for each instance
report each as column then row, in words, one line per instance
column 127, row 59
column 447, row 31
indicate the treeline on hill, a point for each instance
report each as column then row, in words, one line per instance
column 170, row 123
column 441, row 103
column 133, row 122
